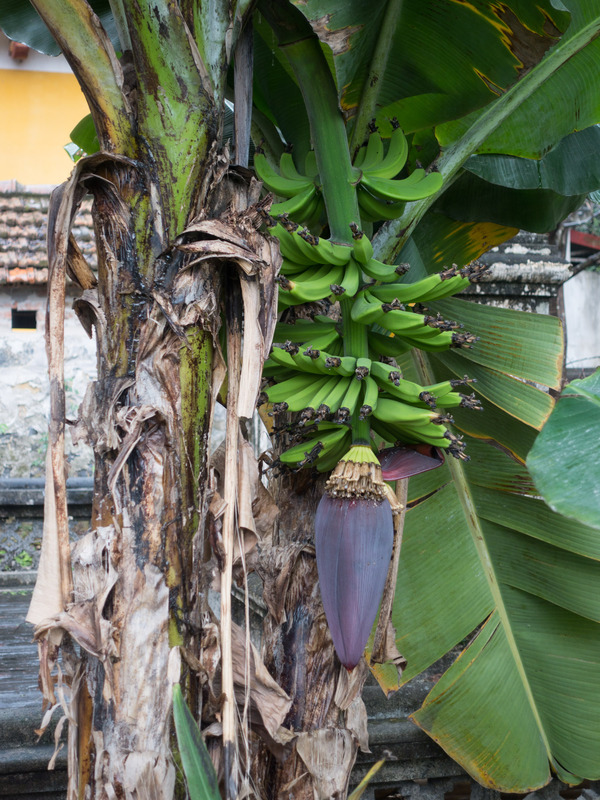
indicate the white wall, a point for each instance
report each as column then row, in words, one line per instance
column 582, row 310
column 24, row 388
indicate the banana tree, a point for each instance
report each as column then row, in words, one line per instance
column 405, row 137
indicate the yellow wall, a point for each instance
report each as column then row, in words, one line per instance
column 38, row 110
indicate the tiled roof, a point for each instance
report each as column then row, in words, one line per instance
column 23, row 223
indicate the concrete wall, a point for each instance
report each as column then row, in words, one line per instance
column 24, row 388
column 582, row 311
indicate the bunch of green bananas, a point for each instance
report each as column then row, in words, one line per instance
column 311, row 371
column 380, row 197
column 302, row 192
column 325, row 387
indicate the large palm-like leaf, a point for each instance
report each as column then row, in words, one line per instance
column 541, row 120
column 525, row 693
column 565, row 461
column 486, row 46
column 485, row 560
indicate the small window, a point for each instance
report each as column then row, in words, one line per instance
column 23, row 320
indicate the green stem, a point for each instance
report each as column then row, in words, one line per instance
column 372, row 83
column 328, row 130
column 355, row 344
column 88, row 50
column 353, row 333
column 392, row 236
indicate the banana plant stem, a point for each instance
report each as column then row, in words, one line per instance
column 372, row 83
column 328, row 132
column 355, row 344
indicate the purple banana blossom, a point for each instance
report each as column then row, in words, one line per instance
column 353, row 540
column 406, row 460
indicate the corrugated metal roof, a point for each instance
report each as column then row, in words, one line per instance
column 23, row 226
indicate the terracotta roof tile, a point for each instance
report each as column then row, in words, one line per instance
column 23, row 224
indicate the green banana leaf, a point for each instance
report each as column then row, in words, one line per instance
column 526, row 346
column 565, row 460
column 20, row 21
column 488, row 566
column 484, row 563
column 545, row 118
column 472, row 199
column 276, row 93
column 198, row 768
column 570, row 168
column 485, row 48
column 443, row 241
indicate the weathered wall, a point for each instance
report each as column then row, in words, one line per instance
column 24, row 389
column 582, row 309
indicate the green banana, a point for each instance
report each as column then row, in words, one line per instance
column 298, row 207
column 394, row 159
column 366, row 309
column 323, row 341
column 363, row 368
column 372, row 209
column 303, row 330
column 350, row 401
column 400, row 412
column 288, row 244
column 328, row 460
column 341, row 365
column 283, row 357
column 303, row 453
column 290, row 268
column 456, row 399
column 288, row 169
column 310, row 165
column 293, row 387
column 416, row 187
column 362, row 249
column 303, row 239
column 350, row 283
column 333, row 252
column 312, row 217
column 332, row 402
column 374, row 151
column 392, row 382
column 383, row 272
column 311, row 360
column 320, row 395
column 443, row 387
column 386, row 374
column 404, row 322
column 395, row 433
column 315, row 249
column 311, row 288
column 370, row 398
column 439, row 284
column 388, row 346
column 458, row 280
column 284, row 187
column 442, row 341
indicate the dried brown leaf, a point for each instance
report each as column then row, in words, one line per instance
column 328, row 754
column 276, row 574
column 47, row 597
column 269, row 704
column 356, row 723
column 78, row 268
column 350, row 684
